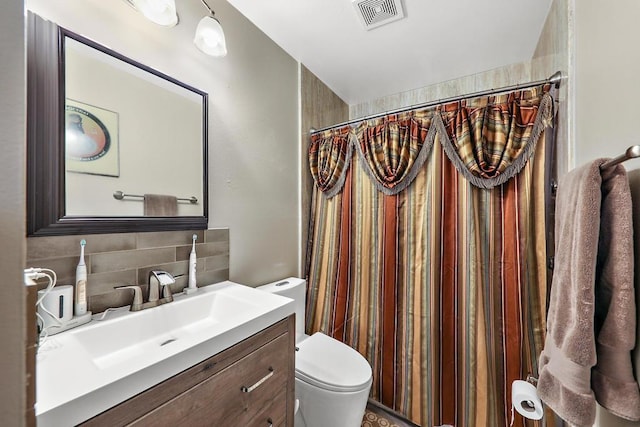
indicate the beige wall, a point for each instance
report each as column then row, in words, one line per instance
column 253, row 120
column 607, row 66
column 12, row 213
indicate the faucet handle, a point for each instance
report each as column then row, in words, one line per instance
column 166, row 293
column 137, row 296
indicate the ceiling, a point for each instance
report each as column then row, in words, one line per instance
column 437, row 40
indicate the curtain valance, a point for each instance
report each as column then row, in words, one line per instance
column 329, row 155
column 488, row 139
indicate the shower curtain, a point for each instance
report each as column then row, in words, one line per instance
column 427, row 252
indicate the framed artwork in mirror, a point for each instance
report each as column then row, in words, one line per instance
column 91, row 139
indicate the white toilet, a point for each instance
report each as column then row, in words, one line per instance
column 332, row 379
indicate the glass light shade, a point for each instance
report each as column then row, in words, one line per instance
column 210, row 37
column 162, row 12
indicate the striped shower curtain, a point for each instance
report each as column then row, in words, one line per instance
column 428, row 253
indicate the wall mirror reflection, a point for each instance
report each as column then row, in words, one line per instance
column 128, row 130
column 120, row 146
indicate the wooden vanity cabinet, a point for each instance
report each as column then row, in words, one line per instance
column 250, row 384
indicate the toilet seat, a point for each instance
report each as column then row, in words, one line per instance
column 331, row 365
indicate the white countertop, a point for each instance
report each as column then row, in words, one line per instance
column 74, row 383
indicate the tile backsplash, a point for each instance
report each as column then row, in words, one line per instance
column 126, row 259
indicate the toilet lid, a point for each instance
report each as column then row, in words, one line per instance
column 330, row 364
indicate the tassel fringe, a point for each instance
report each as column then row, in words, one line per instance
column 543, row 120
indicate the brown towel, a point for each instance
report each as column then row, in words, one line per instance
column 160, row 205
column 591, row 321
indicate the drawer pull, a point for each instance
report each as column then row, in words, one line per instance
column 256, row 385
column 270, row 422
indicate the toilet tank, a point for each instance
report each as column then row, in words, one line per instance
column 296, row 289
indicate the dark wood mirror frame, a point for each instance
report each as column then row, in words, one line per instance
column 45, row 143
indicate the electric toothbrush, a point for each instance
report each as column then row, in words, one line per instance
column 192, row 287
column 81, row 283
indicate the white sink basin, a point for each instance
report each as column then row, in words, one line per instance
column 82, row 372
column 119, row 340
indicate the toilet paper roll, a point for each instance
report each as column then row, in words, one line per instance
column 525, row 400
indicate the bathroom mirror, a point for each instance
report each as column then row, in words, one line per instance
column 106, row 136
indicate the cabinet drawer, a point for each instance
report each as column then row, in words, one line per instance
column 250, row 392
column 209, row 393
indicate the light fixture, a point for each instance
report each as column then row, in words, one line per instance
column 162, row 12
column 209, row 35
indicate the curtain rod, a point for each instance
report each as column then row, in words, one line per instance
column 631, row 153
column 555, row 79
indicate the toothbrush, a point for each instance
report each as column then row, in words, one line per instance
column 81, row 283
column 192, row 266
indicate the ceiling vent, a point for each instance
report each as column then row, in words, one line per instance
column 374, row 13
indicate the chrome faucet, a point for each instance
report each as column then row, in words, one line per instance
column 159, row 282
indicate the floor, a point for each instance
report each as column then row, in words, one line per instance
column 377, row 416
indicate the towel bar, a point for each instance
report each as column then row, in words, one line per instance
column 631, row 153
column 119, row 195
